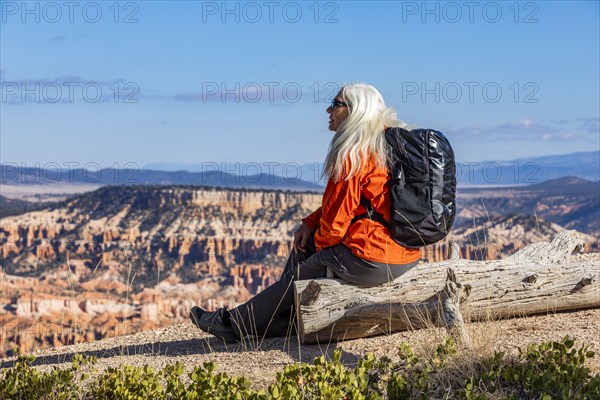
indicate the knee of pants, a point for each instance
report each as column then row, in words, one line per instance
column 290, row 275
column 304, row 271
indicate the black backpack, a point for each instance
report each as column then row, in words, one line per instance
column 423, row 187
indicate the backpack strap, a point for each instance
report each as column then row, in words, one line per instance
column 371, row 213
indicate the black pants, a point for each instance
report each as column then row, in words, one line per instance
column 270, row 311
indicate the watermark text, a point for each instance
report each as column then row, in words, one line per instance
column 253, row 12
column 49, row 92
column 454, row 92
column 453, row 12
column 53, row 12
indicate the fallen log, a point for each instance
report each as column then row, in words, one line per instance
column 542, row 277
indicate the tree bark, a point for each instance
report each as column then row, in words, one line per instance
column 542, row 277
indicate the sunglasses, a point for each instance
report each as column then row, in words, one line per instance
column 335, row 103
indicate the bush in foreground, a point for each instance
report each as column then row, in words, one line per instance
column 552, row 370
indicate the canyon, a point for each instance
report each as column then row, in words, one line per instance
column 123, row 259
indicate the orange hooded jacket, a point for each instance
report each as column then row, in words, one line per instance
column 368, row 239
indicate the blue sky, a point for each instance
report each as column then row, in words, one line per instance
column 191, row 82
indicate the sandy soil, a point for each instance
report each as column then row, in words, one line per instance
column 261, row 360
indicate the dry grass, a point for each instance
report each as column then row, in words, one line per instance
column 261, row 361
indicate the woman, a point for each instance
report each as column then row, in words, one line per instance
column 359, row 251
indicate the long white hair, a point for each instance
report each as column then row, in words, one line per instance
column 362, row 134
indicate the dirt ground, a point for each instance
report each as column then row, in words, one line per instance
column 261, row 360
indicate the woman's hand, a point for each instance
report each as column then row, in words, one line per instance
column 301, row 237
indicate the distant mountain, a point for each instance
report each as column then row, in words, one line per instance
column 110, row 176
column 567, row 184
column 302, row 177
column 526, row 171
column 308, row 172
column 522, row 171
column 571, row 202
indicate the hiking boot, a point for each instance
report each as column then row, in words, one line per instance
column 212, row 322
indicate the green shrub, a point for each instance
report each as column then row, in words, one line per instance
column 553, row 370
column 23, row 381
column 206, row 384
column 128, row 383
column 321, row 380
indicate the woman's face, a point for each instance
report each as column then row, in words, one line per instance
column 338, row 112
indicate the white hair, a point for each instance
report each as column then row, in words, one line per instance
column 362, row 134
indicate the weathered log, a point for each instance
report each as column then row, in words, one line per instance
column 540, row 278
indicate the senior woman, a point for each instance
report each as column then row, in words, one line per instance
column 360, row 251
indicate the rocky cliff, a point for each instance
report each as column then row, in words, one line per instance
column 122, row 259
column 137, row 257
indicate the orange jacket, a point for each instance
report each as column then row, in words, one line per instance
column 366, row 238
